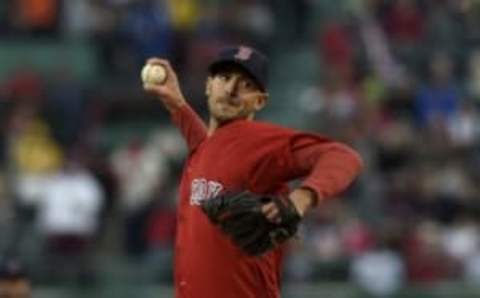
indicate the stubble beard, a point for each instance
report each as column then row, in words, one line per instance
column 224, row 115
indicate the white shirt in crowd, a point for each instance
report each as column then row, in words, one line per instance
column 381, row 273
column 70, row 204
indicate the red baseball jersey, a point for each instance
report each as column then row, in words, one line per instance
column 244, row 155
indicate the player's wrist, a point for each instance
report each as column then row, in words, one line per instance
column 303, row 199
column 174, row 104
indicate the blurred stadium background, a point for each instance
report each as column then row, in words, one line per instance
column 89, row 165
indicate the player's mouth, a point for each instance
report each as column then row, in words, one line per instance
column 226, row 107
column 228, row 103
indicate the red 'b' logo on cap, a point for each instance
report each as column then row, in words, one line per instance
column 243, row 53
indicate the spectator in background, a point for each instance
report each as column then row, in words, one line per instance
column 147, row 27
column 464, row 128
column 160, row 237
column 302, row 10
column 425, row 259
column 332, row 107
column 101, row 169
column 473, row 76
column 37, row 16
column 34, row 153
column 140, row 169
column 82, row 18
column 66, row 106
column 470, row 12
column 14, row 281
column 25, row 85
column 68, row 218
column 33, row 156
column 404, row 23
column 385, row 67
column 461, row 240
column 161, row 222
column 445, row 27
column 439, row 99
column 472, row 269
column 336, row 49
column 4, row 17
column 357, row 236
column 325, row 245
column 184, row 16
column 379, row 272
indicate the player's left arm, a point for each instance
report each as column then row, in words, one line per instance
column 328, row 167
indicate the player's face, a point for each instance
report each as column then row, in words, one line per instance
column 233, row 94
column 15, row 289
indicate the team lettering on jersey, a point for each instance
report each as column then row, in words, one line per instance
column 203, row 189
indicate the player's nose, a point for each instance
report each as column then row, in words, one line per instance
column 231, row 86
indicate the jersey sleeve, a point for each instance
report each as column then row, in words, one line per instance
column 328, row 166
column 191, row 126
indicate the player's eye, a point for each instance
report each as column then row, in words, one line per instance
column 247, row 84
column 224, row 76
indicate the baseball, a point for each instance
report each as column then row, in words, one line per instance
column 154, row 74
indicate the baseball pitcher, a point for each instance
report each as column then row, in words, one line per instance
column 236, row 212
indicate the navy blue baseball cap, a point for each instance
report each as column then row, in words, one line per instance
column 249, row 59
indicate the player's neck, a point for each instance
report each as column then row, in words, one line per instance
column 215, row 124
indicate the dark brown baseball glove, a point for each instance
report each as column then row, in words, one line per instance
column 240, row 216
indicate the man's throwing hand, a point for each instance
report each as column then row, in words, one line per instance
column 168, row 90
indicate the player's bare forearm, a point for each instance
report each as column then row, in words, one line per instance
column 167, row 90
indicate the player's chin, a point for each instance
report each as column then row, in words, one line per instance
column 225, row 115
column 224, row 118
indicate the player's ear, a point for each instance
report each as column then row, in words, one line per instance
column 208, row 86
column 261, row 101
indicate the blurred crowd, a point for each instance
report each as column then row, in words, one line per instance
column 397, row 79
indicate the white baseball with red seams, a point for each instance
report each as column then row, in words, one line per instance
column 154, row 74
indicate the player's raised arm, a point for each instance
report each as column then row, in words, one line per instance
column 160, row 80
